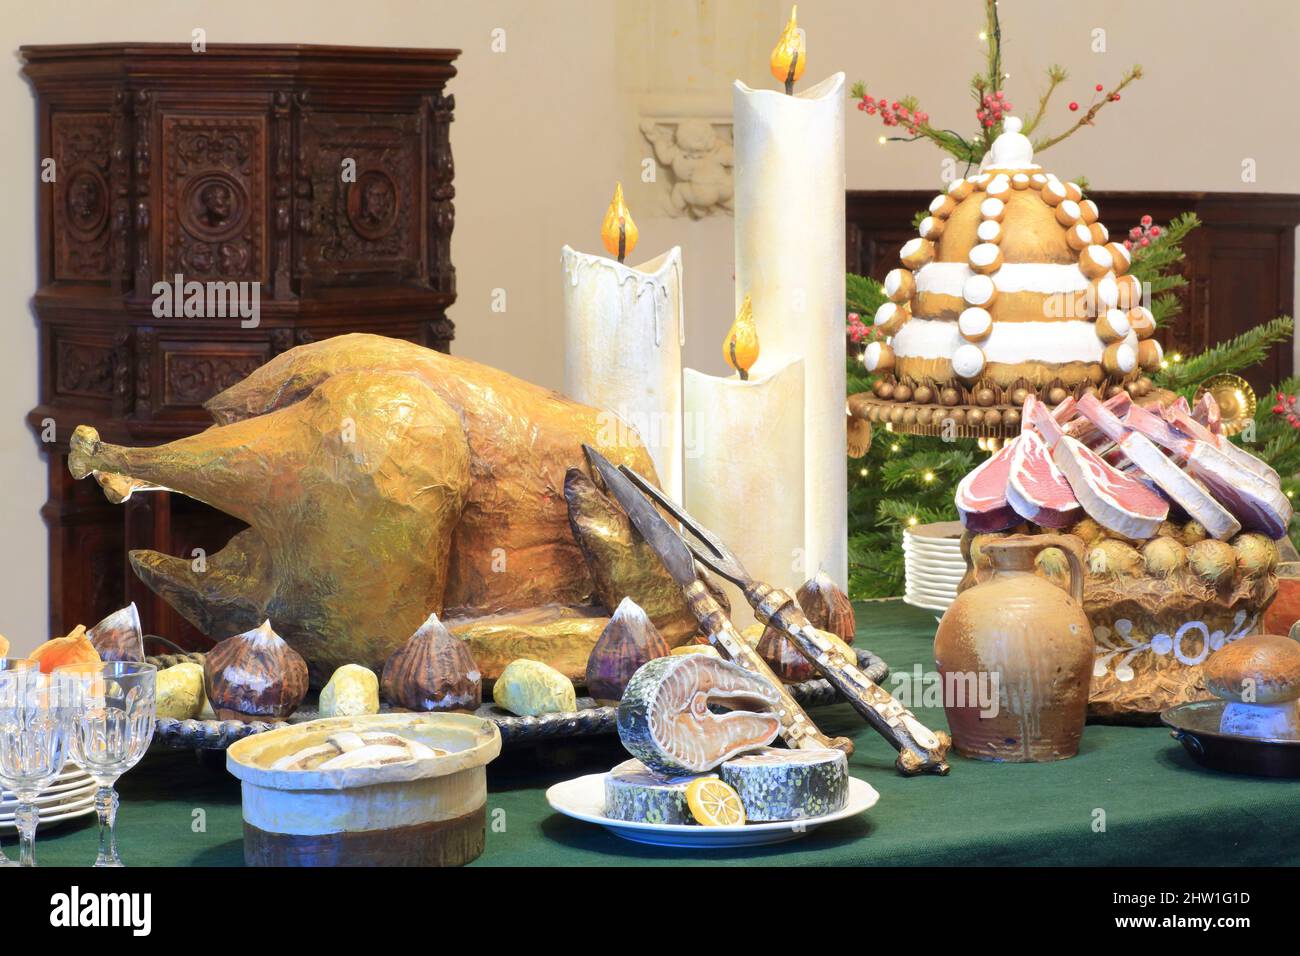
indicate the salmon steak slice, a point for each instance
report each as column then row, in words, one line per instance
column 665, row 720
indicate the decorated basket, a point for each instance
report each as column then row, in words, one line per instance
column 1158, row 609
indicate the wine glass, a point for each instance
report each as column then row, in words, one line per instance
column 110, row 711
column 32, row 745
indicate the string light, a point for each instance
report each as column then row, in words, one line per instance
column 894, row 447
column 912, row 521
column 863, row 472
column 983, row 36
column 882, row 141
column 928, row 476
column 1176, row 357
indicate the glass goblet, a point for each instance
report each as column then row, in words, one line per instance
column 110, row 712
column 32, row 746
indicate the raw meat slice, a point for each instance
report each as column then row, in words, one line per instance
column 1036, row 416
column 665, row 722
column 1182, row 420
column 1207, row 413
column 1036, row 489
column 1088, row 433
column 1190, row 495
column 1257, row 504
column 1113, row 499
column 982, row 495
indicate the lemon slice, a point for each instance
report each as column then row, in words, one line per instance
column 714, row 803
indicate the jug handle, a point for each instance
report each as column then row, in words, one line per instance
column 1070, row 545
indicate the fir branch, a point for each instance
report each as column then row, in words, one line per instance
column 1238, row 353
column 863, row 294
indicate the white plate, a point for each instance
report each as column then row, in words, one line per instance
column 68, row 811
column 928, row 604
column 921, row 590
column 947, row 578
column 929, row 547
column 59, row 786
column 584, row 799
column 48, row 799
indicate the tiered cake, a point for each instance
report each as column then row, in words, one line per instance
column 1013, row 288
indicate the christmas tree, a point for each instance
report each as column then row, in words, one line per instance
column 907, row 479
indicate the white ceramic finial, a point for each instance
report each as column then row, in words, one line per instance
column 1011, row 150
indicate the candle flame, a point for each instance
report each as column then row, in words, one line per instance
column 618, row 231
column 789, row 56
column 740, row 348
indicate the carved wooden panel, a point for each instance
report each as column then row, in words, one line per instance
column 84, row 369
column 195, row 371
column 363, row 171
column 214, row 194
column 82, row 154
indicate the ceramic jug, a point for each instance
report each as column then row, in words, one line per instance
column 1016, row 654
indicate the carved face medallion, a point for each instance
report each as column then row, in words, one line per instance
column 87, row 204
column 372, row 204
column 214, row 207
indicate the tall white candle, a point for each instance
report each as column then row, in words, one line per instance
column 790, row 261
column 624, row 331
column 744, row 470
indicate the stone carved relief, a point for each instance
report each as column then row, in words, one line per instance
column 82, row 147
column 213, row 192
column 372, row 223
column 697, row 157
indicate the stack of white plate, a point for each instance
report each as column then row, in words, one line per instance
column 71, row 795
column 933, row 565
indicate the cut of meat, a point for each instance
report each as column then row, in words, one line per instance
column 1088, row 433
column 1036, row 416
column 982, row 495
column 1190, row 495
column 1207, row 413
column 1113, row 499
column 776, row 784
column 1194, row 429
column 1036, row 489
column 1160, row 431
column 1257, row 504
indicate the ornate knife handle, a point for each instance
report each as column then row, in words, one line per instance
column 919, row 749
column 797, row 728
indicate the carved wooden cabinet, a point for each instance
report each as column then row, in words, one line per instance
column 312, row 182
column 1239, row 265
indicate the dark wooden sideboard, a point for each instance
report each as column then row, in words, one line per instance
column 1240, row 264
column 320, row 176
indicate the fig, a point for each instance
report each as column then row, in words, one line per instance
column 827, row 607
column 433, row 670
column 254, row 676
column 628, row 641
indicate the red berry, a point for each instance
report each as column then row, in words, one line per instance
column 1145, row 220
column 1000, row 94
column 1128, row 244
column 1098, row 87
column 1144, row 241
column 1277, row 409
column 1073, row 106
column 1155, row 231
column 1114, row 96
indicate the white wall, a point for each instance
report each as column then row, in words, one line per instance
column 542, row 131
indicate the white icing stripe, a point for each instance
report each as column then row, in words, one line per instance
column 1073, row 340
column 947, row 278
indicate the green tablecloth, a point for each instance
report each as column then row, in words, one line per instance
column 1131, row 797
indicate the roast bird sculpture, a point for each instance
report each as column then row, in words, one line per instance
column 381, row 481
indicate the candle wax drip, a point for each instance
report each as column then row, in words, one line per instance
column 573, row 266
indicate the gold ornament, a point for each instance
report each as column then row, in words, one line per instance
column 1236, row 399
